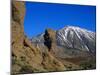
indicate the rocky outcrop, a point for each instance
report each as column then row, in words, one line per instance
column 28, row 57
column 49, row 38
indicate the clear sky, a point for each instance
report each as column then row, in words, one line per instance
column 40, row 16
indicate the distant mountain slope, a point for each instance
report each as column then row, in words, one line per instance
column 73, row 37
column 78, row 38
column 71, row 45
column 38, row 39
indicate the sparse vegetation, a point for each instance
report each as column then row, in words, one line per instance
column 26, row 69
column 48, row 41
column 69, row 67
column 23, row 58
column 91, row 64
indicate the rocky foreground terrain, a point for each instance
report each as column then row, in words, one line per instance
column 62, row 50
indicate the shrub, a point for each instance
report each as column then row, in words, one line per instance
column 26, row 69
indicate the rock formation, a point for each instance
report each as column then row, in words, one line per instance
column 32, row 57
column 26, row 57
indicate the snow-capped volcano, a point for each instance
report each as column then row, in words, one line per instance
column 75, row 37
column 72, row 37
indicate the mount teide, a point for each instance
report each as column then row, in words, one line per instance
column 71, row 45
column 71, row 37
column 78, row 38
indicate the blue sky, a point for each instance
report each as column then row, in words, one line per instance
column 40, row 16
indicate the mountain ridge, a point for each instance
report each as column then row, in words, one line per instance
column 69, row 54
column 67, row 36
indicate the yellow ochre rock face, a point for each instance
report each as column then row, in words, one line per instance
column 26, row 57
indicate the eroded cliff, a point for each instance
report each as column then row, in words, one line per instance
column 27, row 57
